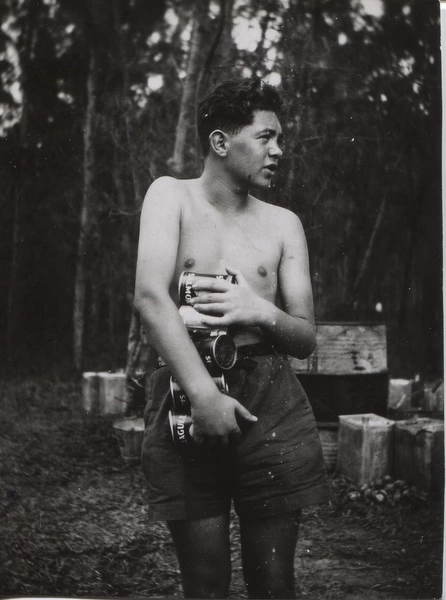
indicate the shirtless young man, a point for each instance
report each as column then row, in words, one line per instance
column 257, row 446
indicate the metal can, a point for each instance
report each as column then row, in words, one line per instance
column 180, row 428
column 217, row 352
column 181, row 403
column 192, row 319
column 220, row 382
column 187, row 278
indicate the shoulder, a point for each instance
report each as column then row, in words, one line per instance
column 166, row 193
column 166, row 184
column 280, row 217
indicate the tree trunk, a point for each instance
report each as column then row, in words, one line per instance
column 111, row 293
column 24, row 51
column 226, row 49
column 220, row 48
column 371, row 243
column 81, row 277
column 13, row 288
column 138, row 186
column 187, row 108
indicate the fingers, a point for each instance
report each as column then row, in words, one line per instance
column 211, row 285
column 243, row 412
column 204, row 298
column 210, row 309
column 237, row 273
column 213, row 442
column 211, row 321
column 218, row 285
column 196, row 436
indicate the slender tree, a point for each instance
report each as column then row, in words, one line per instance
column 27, row 21
column 191, row 82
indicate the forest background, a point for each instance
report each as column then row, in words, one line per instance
column 98, row 98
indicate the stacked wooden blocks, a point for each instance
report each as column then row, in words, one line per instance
column 104, row 393
column 365, row 447
column 370, row 448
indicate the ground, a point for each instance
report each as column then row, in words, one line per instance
column 73, row 518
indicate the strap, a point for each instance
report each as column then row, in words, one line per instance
column 259, row 349
column 247, row 351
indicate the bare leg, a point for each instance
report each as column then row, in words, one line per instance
column 268, row 547
column 203, row 553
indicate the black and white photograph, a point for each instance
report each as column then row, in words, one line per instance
column 221, row 299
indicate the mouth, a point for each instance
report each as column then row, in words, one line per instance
column 272, row 168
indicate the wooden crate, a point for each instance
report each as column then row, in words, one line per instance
column 328, row 434
column 104, row 393
column 90, row 393
column 346, row 349
column 347, row 373
column 365, row 447
column 334, row 395
column 419, row 453
column 129, row 433
column 405, row 393
column 433, row 398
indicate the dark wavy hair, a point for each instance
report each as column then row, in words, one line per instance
column 230, row 105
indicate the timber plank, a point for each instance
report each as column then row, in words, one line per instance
column 346, row 349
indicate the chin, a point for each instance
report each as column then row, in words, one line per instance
column 264, row 184
column 260, row 182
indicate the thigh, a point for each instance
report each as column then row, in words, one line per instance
column 203, row 552
column 181, row 485
column 279, row 465
column 268, row 547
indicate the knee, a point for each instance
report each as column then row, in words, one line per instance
column 205, row 580
column 270, row 591
column 271, row 581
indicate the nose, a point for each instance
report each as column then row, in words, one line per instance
column 275, row 151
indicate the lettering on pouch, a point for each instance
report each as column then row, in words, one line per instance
column 188, row 291
column 180, row 427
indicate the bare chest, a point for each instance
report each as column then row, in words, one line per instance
column 209, row 242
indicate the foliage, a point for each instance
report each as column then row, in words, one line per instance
column 362, row 167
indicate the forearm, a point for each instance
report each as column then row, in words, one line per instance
column 168, row 335
column 291, row 334
column 226, row 305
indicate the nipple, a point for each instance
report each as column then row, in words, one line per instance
column 262, row 271
column 189, row 263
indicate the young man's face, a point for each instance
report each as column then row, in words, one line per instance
column 254, row 152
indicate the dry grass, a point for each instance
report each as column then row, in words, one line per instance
column 73, row 518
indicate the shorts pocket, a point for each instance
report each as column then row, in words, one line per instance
column 158, row 377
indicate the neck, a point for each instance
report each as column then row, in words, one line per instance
column 222, row 192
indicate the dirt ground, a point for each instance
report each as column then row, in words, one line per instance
column 73, row 518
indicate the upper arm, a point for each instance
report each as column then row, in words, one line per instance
column 294, row 270
column 158, row 238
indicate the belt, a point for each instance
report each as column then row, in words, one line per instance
column 259, row 349
column 244, row 353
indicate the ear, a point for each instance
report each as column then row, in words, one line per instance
column 218, row 141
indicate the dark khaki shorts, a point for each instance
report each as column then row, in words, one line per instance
column 276, row 466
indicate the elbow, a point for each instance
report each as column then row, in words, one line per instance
column 312, row 341
column 145, row 304
column 308, row 343
column 311, row 347
column 138, row 302
column 305, row 351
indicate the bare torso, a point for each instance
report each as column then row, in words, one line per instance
column 212, row 238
